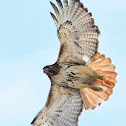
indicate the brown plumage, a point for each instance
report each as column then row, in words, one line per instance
column 74, row 82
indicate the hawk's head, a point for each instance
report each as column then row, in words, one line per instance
column 52, row 70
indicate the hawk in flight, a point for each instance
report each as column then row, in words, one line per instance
column 75, row 83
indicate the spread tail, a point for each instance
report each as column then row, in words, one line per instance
column 106, row 80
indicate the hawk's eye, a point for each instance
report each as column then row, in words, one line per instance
column 53, row 71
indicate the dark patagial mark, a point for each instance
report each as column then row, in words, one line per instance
column 61, row 50
column 49, row 97
column 35, row 119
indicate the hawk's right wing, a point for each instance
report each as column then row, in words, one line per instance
column 63, row 108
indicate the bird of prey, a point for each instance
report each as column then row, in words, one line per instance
column 75, row 83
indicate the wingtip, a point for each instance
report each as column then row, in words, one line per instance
column 53, row 16
column 90, row 14
column 81, row 5
column 86, row 9
column 51, row 13
column 51, row 3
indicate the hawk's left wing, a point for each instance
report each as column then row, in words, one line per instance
column 76, row 31
column 63, row 107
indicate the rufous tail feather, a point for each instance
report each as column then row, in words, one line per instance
column 106, row 80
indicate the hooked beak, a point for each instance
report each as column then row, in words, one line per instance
column 45, row 70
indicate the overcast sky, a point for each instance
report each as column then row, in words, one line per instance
column 28, row 42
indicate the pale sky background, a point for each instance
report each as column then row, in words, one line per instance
column 28, row 42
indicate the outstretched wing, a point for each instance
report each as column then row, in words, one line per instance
column 76, row 31
column 63, row 107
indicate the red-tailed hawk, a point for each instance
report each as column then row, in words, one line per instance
column 75, row 83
